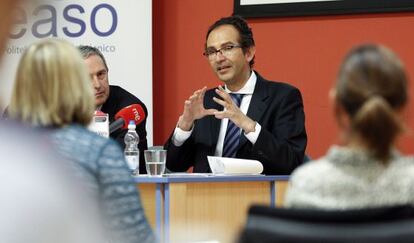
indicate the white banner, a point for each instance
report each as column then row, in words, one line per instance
column 121, row 29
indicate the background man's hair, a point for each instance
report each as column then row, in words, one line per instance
column 87, row 51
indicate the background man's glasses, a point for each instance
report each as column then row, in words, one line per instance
column 211, row 53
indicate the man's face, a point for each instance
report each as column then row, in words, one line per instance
column 232, row 67
column 99, row 76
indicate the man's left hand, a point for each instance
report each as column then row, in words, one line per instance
column 232, row 112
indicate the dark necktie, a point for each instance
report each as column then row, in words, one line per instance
column 232, row 137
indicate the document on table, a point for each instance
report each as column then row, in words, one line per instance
column 232, row 166
column 183, row 174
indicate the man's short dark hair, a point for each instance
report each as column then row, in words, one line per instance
column 245, row 32
column 87, row 51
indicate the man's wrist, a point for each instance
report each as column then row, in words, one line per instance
column 184, row 125
column 250, row 126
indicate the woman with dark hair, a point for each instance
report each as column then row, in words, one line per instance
column 366, row 171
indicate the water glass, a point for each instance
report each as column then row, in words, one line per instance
column 155, row 161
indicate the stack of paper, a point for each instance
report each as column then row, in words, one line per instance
column 221, row 165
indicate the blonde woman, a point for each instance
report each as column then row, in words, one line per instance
column 366, row 171
column 53, row 91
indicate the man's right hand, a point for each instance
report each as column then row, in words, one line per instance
column 194, row 110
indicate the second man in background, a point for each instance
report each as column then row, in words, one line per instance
column 111, row 99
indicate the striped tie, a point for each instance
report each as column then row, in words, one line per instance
column 231, row 140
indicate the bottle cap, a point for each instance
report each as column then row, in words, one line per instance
column 131, row 125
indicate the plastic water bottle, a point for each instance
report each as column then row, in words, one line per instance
column 131, row 148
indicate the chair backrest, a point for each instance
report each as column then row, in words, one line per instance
column 380, row 225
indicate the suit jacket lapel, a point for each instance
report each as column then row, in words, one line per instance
column 257, row 104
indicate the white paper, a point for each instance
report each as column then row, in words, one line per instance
column 221, row 165
column 185, row 174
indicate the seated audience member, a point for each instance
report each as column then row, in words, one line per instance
column 248, row 117
column 111, row 99
column 39, row 201
column 366, row 171
column 53, row 93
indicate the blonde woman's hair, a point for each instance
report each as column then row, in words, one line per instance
column 52, row 86
column 372, row 88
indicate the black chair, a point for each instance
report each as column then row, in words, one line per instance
column 380, row 225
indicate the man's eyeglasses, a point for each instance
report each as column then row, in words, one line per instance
column 211, row 53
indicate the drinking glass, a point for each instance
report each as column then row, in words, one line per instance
column 155, row 161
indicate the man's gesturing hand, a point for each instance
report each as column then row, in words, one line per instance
column 232, row 112
column 194, row 110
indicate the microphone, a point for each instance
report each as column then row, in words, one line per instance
column 133, row 112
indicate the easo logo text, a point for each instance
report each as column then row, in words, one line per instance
column 74, row 24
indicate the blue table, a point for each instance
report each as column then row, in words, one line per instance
column 176, row 193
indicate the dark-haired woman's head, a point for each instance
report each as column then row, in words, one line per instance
column 371, row 89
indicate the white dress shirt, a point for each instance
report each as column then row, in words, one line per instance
column 180, row 136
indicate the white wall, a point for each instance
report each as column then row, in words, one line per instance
column 122, row 29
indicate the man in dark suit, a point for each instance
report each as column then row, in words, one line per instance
column 267, row 125
column 111, row 99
